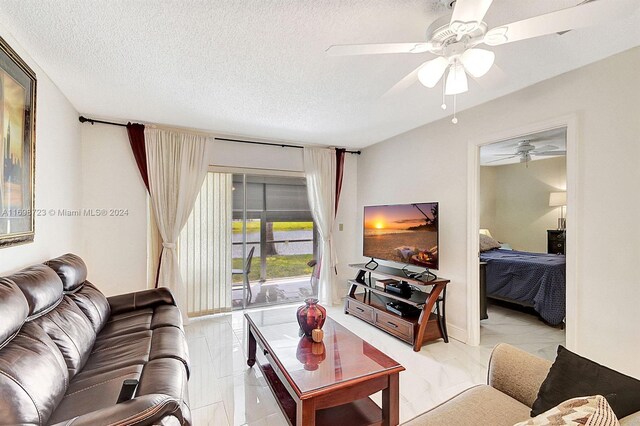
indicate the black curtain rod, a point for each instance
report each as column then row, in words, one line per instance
column 84, row 119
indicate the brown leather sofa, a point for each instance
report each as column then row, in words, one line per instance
column 65, row 351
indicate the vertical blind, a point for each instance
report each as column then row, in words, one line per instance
column 205, row 248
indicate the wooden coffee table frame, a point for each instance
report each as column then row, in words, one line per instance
column 346, row 402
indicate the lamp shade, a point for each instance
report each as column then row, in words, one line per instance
column 431, row 71
column 477, row 61
column 558, row 199
column 484, row 231
column 456, row 80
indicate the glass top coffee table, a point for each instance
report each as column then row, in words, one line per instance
column 327, row 382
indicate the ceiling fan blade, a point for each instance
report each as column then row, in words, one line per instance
column 549, row 153
column 502, row 159
column 432, row 71
column 583, row 15
column 495, row 79
column 379, row 48
column 545, row 148
column 467, row 15
column 407, row 81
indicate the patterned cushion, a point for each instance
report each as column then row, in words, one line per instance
column 586, row 411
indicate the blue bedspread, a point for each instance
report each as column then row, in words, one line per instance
column 533, row 279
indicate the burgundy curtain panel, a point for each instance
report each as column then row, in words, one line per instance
column 340, row 153
column 136, row 140
column 139, row 150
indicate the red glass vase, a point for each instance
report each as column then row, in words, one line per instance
column 311, row 316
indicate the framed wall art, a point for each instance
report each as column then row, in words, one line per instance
column 17, row 150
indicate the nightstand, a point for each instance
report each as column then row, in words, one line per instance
column 555, row 242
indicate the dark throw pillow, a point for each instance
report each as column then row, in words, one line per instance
column 571, row 376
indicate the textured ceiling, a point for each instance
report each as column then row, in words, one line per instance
column 258, row 68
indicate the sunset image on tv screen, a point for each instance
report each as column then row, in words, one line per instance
column 403, row 233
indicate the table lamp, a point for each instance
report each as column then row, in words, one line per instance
column 559, row 199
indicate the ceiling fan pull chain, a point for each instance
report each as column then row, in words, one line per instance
column 454, row 120
column 444, row 103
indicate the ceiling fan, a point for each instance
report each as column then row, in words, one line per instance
column 525, row 150
column 454, row 39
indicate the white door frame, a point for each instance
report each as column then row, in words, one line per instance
column 473, row 222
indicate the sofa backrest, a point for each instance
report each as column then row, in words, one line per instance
column 33, row 372
column 50, row 318
column 73, row 273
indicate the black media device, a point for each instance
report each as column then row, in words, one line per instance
column 128, row 389
column 401, row 289
column 403, row 309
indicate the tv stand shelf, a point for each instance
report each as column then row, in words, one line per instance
column 370, row 305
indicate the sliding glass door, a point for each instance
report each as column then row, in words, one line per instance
column 273, row 240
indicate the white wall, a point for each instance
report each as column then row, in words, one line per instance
column 115, row 247
column 430, row 163
column 520, row 214
column 58, row 175
column 487, row 201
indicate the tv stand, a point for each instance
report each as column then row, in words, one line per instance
column 370, row 305
column 371, row 262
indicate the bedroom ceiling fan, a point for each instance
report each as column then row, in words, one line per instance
column 525, row 150
column 453, row 40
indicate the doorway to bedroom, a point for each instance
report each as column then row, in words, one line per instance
column 522, row 234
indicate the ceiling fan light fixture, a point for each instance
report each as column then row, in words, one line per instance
column 431, row 72
column 477, row 62
column 456, row 80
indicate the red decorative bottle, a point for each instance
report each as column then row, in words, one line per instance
column 311, row 316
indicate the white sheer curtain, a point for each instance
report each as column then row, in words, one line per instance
column 177, row 165
column 205, row 247
column 320, row 171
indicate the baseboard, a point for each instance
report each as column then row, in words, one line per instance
column 457, row 333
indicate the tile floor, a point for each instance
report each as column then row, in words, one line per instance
column 224, row 391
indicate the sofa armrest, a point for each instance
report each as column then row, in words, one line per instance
column 144, row 410
column 631, row 419
column 517, row 373
column 140, row 299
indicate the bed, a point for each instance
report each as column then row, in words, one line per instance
column 530, row 279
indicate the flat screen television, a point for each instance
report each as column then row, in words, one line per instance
column 403, row 233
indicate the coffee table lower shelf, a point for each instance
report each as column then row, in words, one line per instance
column 361, row 412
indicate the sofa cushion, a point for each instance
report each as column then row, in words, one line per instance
column 71, row 269
column 41, row 287
column 127, row 323
column 33, row 377
column 14, row 310
column 87, row 393
column 587, row 411
column 71, row 331
column 479, row 405
column 119, row 351
column 93, row 304
column 571, row 376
